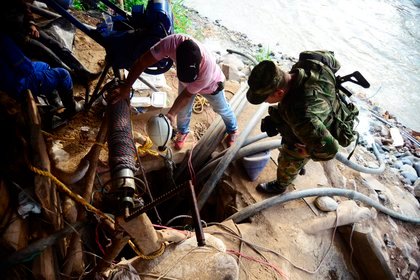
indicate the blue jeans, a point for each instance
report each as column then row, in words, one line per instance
column 219, row 104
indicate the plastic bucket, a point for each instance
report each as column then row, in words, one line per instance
column 255, row 163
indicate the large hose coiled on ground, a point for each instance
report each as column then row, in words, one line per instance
column 279, row 199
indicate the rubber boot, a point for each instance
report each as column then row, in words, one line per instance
column 55, row 101
column 72, row 107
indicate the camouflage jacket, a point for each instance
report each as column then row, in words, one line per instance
column 305, row 113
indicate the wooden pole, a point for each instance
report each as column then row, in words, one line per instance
column 43, row 266
column 74, row 254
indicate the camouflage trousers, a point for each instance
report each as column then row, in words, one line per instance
column 290, row 162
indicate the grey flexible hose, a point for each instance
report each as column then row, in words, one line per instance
column 343, row 159
column 213, row 135
column 228, row 157
column 279, row 199
column 243, row 152
column 255, row 138
column 251, row 146
column 339, row 156
column 250, row 140
column 253, row 60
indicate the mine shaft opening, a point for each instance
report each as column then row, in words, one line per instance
column 177, row 210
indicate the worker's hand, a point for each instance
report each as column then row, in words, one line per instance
column 33, row 31
column 121, row 92
column 302, row 150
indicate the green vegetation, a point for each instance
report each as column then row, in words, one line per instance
column 130, row 3
column 77, row 5
column 263, row 54
column 182, row 22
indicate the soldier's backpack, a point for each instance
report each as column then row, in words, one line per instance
column 345, row 112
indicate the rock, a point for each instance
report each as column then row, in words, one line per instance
column 417, row 188
column 349, row 213
column 407, row 161
column 388, row 242
column 232, row 61
column 409, row 173
column 396, row 136
column 384, row 131
column 231, row 73
column 393, row 157
column 409, row 188
column 187, row 261
column 417, row 168
column 408, row 168
column 405, row 180
column 412, row 263
column 57, row 152
column 326, row 203
column 409, row 177
column 372, row 183
column 376, row 127
column 383, row 198
column 398, row 164
column 394, row 170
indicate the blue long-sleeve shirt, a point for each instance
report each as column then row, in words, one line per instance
column 16, row 70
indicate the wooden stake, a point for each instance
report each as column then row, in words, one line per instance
column 72, row 256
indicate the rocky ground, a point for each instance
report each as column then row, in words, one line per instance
column 396, row 188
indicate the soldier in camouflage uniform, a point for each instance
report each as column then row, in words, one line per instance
column 303, row 115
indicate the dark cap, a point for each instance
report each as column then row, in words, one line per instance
column 265, row 79
column 188, row 58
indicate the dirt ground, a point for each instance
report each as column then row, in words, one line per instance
column 279, row 228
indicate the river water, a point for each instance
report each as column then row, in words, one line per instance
column 379, row 38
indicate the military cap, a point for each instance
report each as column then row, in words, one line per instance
column 264, row 80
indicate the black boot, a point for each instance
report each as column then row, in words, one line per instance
column 72, row 107
column 271, row 187
column 55, row 101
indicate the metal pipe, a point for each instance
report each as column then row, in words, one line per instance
column 195, row 213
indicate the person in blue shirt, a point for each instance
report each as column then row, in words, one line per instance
column 17, row 21
column 18, row 73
